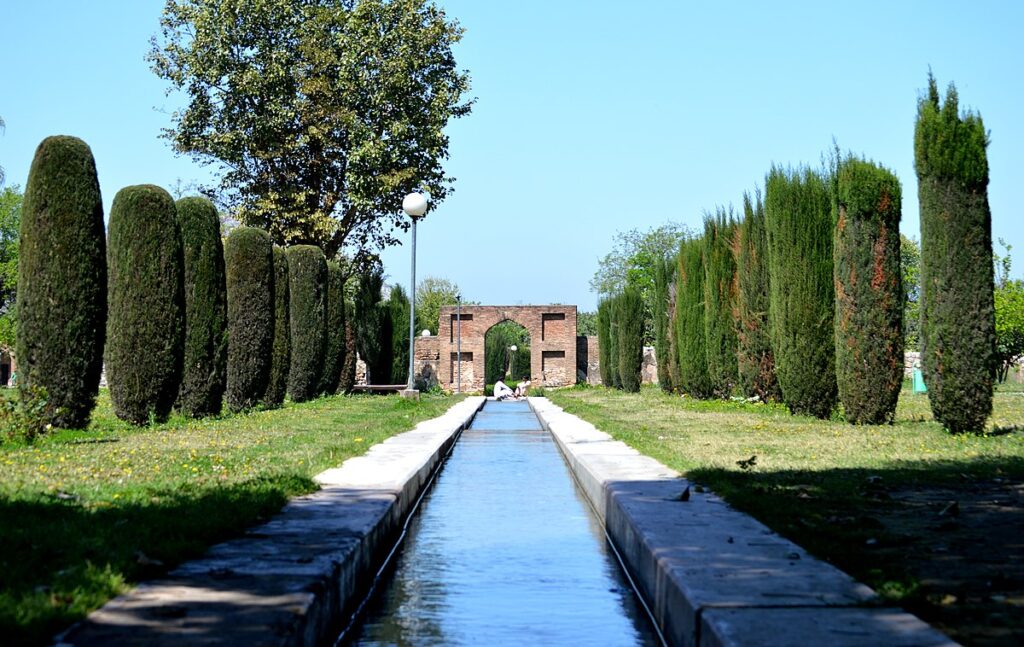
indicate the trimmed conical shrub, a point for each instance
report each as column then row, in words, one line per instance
column 206, row 309
column 334, row 355
column 630, row 305
column 957, row 305
column 691, row 341
column 869, row 291
column 604, row 342
column 754, row 356
column 62, row 281
column 801, row 307
column 249, row 265
column 281, row 356
column 146, row 296
column 307, row 275
column 663, row 278
column 720, row 302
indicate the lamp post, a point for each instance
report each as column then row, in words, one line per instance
column 458, row 343
column 512, row 361
column 414, row 205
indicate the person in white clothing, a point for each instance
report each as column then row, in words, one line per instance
column 502, row 391
column 522, row 387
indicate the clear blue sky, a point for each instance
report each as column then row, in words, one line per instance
column 591, row 117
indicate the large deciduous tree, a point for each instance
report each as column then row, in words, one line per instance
column 957, row 308
column 321, row 114
column 431, row 294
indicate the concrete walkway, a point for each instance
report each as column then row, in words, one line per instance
column 289, row 581
column 712, row 575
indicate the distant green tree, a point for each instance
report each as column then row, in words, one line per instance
column 720, row 302
column 3, row 175
column 869, row 299
column 630, row 339
column 431, row 294
column 373, row 324
column 1009, row 302
column 754, row 355
column 691, row 341
column 398, row 307
column 501, row 363
column 633, row 261
column 801, row 307
column 958, row 336
column 10, row 225
column 586, row 324
column 910, row 267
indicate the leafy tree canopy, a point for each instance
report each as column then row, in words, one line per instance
column 586, row 323
column 10, row 226
column 1009, row 301
column 321, row 114
column 910, row 266
column 431, row 294
column 632, row 262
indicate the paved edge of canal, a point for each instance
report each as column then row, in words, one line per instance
column 292, row 580
column 712, row 575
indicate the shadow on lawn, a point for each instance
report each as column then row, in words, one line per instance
column 60, row 558
column 943, row 538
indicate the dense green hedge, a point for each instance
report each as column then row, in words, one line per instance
column 755, row 359
column 307, row 275
column 146, row 320
column 206, row 310
column 869, row 291
column 664, row 273
column 334, row 353
column 62, row 281
column 690, row 338
column 957, row 306
column 249, row 265
column 604, row 343
column 281, row 355
column 801, row 307
column 720, row 302
column 629, row 308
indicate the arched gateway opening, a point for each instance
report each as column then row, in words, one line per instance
column 552, row 333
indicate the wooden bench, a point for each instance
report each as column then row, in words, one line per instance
column 379, row 388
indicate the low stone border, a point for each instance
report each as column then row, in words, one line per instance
column 712, row 575
column 287, row 582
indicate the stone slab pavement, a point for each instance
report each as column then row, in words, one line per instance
column 291, row 580
column 712, row 575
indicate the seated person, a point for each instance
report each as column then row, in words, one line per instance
column 502, row 391
column 522, row 387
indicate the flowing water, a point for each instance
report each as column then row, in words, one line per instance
column 504, row 550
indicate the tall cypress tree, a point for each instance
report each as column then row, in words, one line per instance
column 957, row 283
column 801, row 307
column 249, row 271
column 146, row 294
column 373, row 325
column 869, row 291
column 206, row 309
column 398, row 310
column 663, row 274
column 614, row 377
column 281, row 356
column 62, row 281
column 334, row 353
column 604, row 342
column 307, row 287
column 630, row 338
column 690, row 339
column 755, row 359
column 720, row 302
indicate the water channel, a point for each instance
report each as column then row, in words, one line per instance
column 504, row 550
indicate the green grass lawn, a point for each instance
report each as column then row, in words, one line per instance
column 84, row 514
column 931, row 520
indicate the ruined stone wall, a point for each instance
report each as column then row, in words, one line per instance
column 552, row 329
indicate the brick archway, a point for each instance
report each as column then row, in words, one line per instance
column 552, row 343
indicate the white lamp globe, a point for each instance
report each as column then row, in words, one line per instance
column 414, row 205
column 513, row 348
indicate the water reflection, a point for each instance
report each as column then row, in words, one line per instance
column 504, row 551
